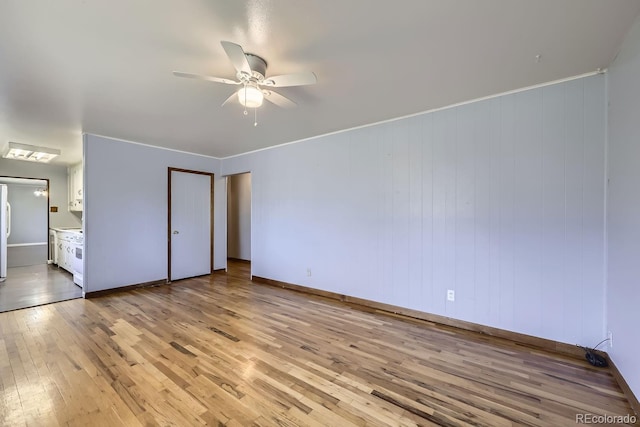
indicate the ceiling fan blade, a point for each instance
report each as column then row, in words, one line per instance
column 237, row 57
column 208, row 78
column 278, row 99
column 296, row 79
column 233, row 96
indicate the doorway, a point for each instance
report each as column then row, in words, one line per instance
column 190, row 224
column 31, row 279
column 239, row 223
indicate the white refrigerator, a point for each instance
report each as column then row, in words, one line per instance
column 5, row 229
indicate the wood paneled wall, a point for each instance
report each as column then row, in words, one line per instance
column 500, row 200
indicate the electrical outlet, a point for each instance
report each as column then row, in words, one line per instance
column 308, row 272
column 451, row 295
column 610, row 336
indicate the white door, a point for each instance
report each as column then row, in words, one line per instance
column 190, row 224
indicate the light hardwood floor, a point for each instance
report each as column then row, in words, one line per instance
column 220, row 350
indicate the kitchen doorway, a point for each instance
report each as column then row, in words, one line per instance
column 31, row 279
column 190, row 229
column 239, row 221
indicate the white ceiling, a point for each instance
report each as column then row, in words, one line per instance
column 105, row 67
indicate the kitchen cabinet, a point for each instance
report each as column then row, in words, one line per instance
column 66, row 242
column 75, row 187
column 64, row 255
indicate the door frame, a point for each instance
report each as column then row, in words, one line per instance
column 169, row 233
column 229, row 193
column 48, row 206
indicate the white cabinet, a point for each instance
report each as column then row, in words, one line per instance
column 63, row 245
column 75, row 187
column 64, row 260
column 66, row 243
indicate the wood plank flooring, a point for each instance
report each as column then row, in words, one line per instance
column 220, row 350
column 36, row 285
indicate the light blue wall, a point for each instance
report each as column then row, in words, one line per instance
column 125, row 211
column 623, row 218
column 500, row 200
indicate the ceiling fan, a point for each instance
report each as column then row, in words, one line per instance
column 251, row 75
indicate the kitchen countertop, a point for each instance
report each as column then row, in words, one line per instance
column 67, row 230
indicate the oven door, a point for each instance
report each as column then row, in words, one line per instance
column 77, row 264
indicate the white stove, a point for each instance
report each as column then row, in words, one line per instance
column 77, row 263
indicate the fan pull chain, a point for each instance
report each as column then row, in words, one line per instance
column 245, row 100
column 255, row 117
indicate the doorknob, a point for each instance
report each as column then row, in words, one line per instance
column 176, row 232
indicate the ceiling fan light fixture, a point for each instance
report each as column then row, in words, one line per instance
column 251, row 77
column 250, row 96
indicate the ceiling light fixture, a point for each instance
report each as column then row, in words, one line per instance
column 30, row 153
column 40, row 192
column 250, row 96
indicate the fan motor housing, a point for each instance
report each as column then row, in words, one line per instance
column 258, row 65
